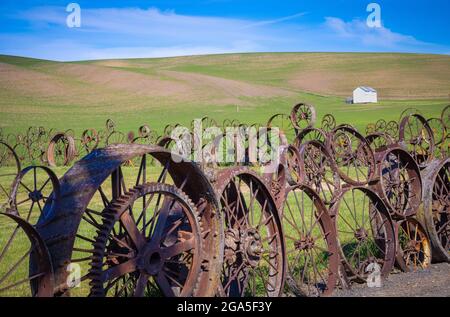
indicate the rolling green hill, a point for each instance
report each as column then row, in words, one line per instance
column 249, row 87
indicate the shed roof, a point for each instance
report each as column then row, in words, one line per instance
column 367, row 89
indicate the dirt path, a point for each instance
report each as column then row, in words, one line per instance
column 432, row 282
column 228, row 87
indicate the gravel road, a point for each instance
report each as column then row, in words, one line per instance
column 434, row 282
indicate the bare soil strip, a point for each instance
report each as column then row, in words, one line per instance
column 433, row 282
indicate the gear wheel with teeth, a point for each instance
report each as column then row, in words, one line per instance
column 149, row 244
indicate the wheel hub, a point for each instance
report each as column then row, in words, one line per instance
column 305, row 243
column 361, row 234
column 153, row 262
column 252, row 246
column 231, row 245
column 35, row 196
column 413, row 246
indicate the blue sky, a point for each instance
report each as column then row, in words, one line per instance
column 136, row 28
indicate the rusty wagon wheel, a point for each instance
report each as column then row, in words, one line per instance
column 445, row 117
column 149, row 244
column 311, row 247
column 283, row 123
column 61, row 150
column 365, row 233
column 145, row 135
column 9, row 169
column 408, row 112
column 399, row 182
column 328, row 123
column 208, row 122
column 19, row 244
column 416, row 136
column 100, row 178
column 310, row 134
column 293, row 165
column 225, row 150
column 353, row 156
column 144, row 131
column 436, row 208
column 441, row 138
column 380, row 125
column 115, row 137
column 275, row 178
column 413, row 246
column 34, row 187
column 391, row 129
column 254, row 254
column 379, row 141
column 227, row 123
column 90, row 140
column 370, row 128
column 168, row 129
column 20, row 148
column 110, row 125
column 35, row 140
column 319, row 171
column 303, row 116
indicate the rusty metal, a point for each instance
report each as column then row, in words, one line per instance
column 9, row 169
column 102, row 174
column 409, row 111
column 159, row 250
column 445, row 117
column 38, row 280
column 110, row 125
column 310, row 134
column 413, row 246
column 398, row 182
column 380, row 125
column 370, row 128
column 303, row 116
column 254, row 253
column 279, row 173
column 284, row 124
column 328, row 123
column 416, row 136
column 227, row 123
column 379, row 141
column 311, row 245
column 441, row 138
column 365, row 233
column 61, row 150
column 392, row 129
column 207, row 122
column 115, row 137
column 21, row 150
column 363, row 194
column 436, row 208
column 90, row 140
column 319, row 171
column 34, row 187
column 353, row 156
column 36, row 140
column 293, row 166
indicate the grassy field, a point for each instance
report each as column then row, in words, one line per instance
column 247, row 87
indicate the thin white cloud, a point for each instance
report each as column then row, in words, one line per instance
column 370, row 37
column 134, row 32
column 275, row 21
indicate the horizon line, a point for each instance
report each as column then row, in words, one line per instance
column 220, row 54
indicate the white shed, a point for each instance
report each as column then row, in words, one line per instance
column 365, row 94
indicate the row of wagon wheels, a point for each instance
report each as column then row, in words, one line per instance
column 339, row 208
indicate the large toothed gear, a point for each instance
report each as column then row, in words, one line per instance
column 155, row 253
